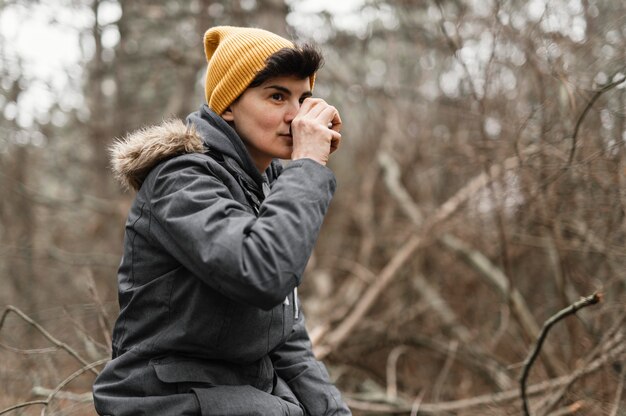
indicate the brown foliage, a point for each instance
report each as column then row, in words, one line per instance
column 481, row 190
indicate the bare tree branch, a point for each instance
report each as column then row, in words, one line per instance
column 570, row 409
column 391, row 171
column 65, row 382
column 333, row 339
column 74, row 397
column 497, row 279
column 52, row 393
column 612, row 340
column 336, row 337
column 444, row 371
column 570, row 310
column 392, row 379
column 619, row 391
column 488, row 399
column 46, row 334
column 103, row 321
column 24, row 404
column 581, row 118
column 392, row 181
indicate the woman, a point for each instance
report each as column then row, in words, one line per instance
column 217, row 240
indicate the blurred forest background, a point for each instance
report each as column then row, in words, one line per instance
column 482, row 188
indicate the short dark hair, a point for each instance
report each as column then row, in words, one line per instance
column 301, row 62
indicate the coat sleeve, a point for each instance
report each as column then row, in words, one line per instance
column 307, row 377
column 255, row 260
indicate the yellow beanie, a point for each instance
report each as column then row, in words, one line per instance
column 234, row 56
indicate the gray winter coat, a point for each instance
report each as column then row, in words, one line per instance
column 209, row 319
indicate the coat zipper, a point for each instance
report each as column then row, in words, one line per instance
column 256, row 204
column 296, row 310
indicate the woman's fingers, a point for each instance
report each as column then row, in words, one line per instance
column 336, row 122
column 317, row 109
column 312, row 107
column 335, row 141
column 315, row 130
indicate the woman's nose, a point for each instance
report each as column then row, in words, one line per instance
column 292, row 111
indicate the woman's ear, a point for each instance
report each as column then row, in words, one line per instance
column 228, row 114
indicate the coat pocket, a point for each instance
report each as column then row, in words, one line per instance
column 243, row 401
column 223, row 388
column 183, row 376
column 188, row 373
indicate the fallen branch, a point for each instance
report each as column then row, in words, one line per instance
column 53, row 393
column 496, row 277
column 25, row 404
column 570, row 310
column 391, row 175
column 618, row 393
column 33, row 351
column 611, row 340
column 415, row 406
column 445, row 370
column 468, row 354
column 454, row 405
column 65, row 382
column 335, row 338
column 488, row 399
column 569, row 410
column 46, row 334
column 103, row 322
column 73, row 397
column 392, row 362
column 441, row 307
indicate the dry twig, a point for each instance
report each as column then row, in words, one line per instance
column 22, row 405
column 336, row 337
column 620, row 389
column 590, row 103
column 46, row 334
column 103, row 322
column 445, row 370
column 488, row 399
column 392, row 378
column 611, row 341
column 569, row 410
column 70, row 378
column 63, row 395
column 398, row 191
column 57, row 389
column 496, row 277
column 570, row 310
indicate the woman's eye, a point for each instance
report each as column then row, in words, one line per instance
column 277, row 97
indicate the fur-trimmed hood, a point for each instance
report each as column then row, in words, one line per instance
column 134, row 156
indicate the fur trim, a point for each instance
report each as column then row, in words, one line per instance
column 134, row 156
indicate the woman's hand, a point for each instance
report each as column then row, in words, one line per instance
column 315, row 131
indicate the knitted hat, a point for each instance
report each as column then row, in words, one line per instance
column 235, row 55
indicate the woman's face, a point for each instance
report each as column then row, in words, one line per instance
column 262, row 117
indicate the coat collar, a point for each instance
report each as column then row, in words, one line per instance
column 135, row 155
